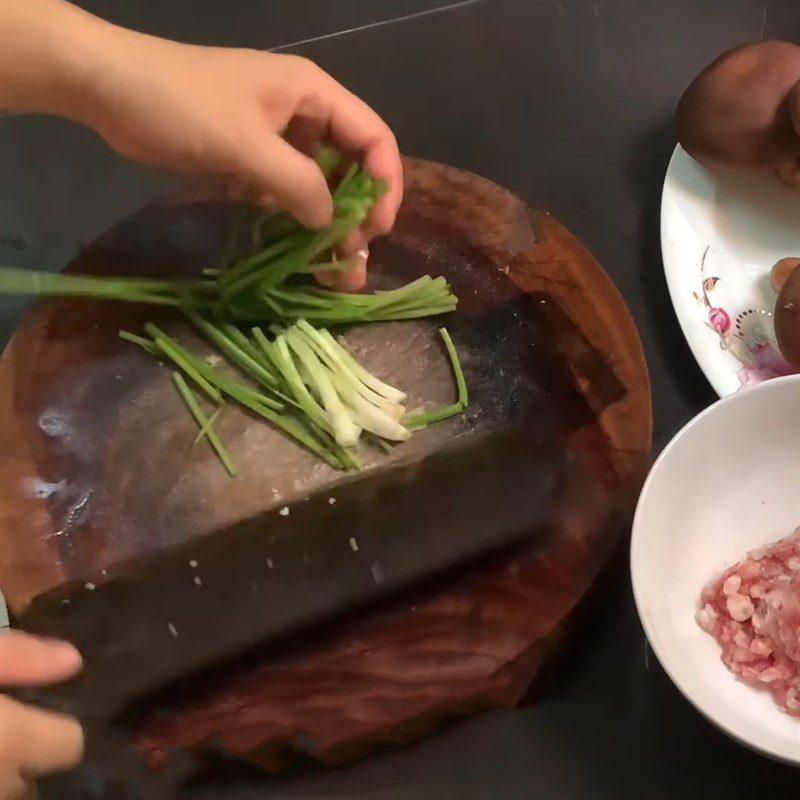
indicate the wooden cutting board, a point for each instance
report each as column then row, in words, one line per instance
column 97, row 468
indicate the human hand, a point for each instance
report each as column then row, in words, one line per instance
column 34, row 742
column 221, row 111
column 212, row 111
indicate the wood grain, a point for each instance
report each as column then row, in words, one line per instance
column 390, row 676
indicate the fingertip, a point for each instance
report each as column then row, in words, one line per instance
column 44, row 741
column 383, row 161
column 64, row 657
column 27, row 660
column 75, row 745
column 381, row 221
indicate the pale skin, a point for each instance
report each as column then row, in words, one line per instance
column 200, row 110
column 34, row 742
column 214, row 112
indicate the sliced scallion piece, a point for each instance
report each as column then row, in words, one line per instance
column 167, row 346
column 419, row 421
column 202, row 420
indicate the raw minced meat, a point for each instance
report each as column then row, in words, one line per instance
column 753, row 611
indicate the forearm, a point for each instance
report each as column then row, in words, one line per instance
column 51, row 54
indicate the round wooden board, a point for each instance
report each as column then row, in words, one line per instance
column 473, row 643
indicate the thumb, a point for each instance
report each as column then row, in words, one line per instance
column 31, row 661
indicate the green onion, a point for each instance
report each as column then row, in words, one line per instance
column 207, row 427
column 252, row 367
column 339, row 361
column 419, row 421
column 145, row 344
column 330, row 397
column 286, row 365
column 167, row 346
column 192, row 365
column 370, row 417
column 345, row 430
column 455, row 363
column 267, row 408
column 304, row 381
column 200, row 418
column 271, row 284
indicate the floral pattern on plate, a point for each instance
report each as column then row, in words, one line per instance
column 721, row 233
column 747, row 333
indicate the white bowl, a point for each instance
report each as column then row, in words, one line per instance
column 729, row 482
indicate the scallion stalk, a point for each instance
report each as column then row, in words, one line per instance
column 419, row 421
column 167, row 345
column 345, row 430
column 202, row 420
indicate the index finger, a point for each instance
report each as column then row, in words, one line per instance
column 383, row 161
column 31, row 661
column 357, row 129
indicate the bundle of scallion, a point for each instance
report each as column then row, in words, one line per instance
column 271, row 284
column 302, row 380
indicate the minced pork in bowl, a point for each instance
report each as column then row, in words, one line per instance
column 715, row 563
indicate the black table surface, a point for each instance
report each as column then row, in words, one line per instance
column 569, row 103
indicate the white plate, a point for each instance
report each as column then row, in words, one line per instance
column 728, row 483
column 721, row 233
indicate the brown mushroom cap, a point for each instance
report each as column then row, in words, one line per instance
column 743, row 110
column 781, row 272
column 787, row 317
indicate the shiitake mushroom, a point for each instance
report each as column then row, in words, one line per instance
column 743, row 110
column 786, row 279
column 781, row 272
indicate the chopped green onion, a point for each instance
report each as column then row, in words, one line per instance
column 455, row 363
column 200, row 418
column 419, row 421
column 328, row 344
column 369, row 417
column 345, row 430
column 286, row 365
column 146, row 344
column 254, row 368
column 167, row 345
column 207, row 427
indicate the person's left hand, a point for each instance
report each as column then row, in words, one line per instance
column 33, row 741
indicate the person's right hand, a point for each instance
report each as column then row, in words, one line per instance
column 253, row 119
column 33, row 741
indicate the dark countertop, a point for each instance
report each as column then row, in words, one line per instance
column 569, row 103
